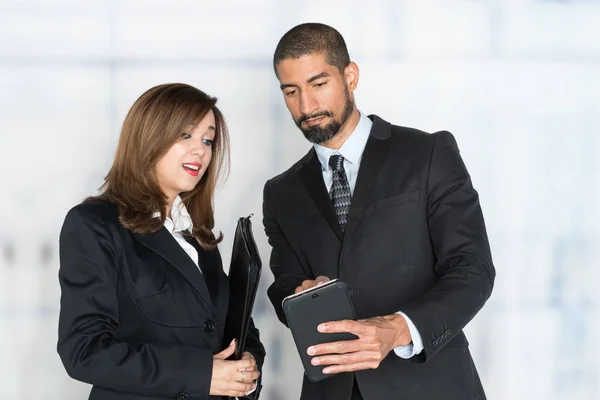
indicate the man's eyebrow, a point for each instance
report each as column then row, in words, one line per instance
column 312, row 79
column 321, row 75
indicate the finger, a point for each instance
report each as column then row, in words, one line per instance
column 321, row 279
column 224, row 354
column 307, row 284
column 252, row 367
column 347, row 359
column 298, row 290
column 347, row 325
column 243, row 364
column 235, row 374
column 342, row 347
column 252, row 376
column 239, row 389
column 252, row 362
column 336, row 369
column 246, row 376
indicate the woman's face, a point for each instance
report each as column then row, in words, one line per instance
column 182, row 167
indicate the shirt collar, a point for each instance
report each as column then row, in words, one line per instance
column 352, row 149
column 180, row 219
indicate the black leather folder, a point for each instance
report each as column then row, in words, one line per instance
column 244, row 276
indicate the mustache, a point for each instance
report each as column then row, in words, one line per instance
column 315, row 115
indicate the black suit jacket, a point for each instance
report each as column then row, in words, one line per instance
column 137, row 320
column 415, row 242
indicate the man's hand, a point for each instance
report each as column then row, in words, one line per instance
column 376, row 338
column 308, row 283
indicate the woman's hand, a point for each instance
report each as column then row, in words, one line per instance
column 233, row 378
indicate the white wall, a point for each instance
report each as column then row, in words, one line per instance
column 517, row 82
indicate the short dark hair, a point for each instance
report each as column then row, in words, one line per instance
column 311, row 38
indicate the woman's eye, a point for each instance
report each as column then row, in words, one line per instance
column 185, row 135
column 208, row 142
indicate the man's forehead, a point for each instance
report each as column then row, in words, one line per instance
column 304, row 67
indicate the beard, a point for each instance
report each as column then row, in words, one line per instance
column 317, row 134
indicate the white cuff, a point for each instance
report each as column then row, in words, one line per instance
column 413, row 348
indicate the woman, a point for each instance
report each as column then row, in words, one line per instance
column 144, row 296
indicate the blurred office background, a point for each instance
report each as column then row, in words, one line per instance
column 516, row 81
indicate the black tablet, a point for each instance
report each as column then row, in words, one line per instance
column 304, row 311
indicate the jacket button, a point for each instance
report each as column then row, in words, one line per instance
column 182, row 396
column 209, row 326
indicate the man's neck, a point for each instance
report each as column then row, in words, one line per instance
column 345, row 131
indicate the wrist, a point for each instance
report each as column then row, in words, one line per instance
column 402, row 333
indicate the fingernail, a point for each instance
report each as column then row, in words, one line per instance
column 322, row 328
column 232, row 342
column 326, row 371
column 315, row 361
column 311, row 351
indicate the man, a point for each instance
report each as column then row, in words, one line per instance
column 390, row 211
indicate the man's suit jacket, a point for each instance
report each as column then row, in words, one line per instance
column 137, row 320
column 415, row 242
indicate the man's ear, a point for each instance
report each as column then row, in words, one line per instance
column 351, row 74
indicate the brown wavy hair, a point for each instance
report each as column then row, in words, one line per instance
column 153, row 124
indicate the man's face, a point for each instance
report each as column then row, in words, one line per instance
column 316, row 94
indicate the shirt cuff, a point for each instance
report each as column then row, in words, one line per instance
column 411, row 349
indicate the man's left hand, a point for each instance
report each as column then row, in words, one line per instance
column 376, row 338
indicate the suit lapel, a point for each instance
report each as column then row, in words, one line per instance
column 162, row 243
column 222, row 299
column 374, row 155
column 312, row 177
column 211, row 265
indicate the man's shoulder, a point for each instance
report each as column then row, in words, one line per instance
column 409, row 132
column 411, row 135
column 413, row 139
column 291, row 173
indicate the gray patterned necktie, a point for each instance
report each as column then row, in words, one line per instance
column 340, row 190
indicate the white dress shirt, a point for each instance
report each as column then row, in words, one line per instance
column 179, row 222
column 352, row 151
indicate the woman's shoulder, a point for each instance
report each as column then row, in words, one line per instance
column 94, row 210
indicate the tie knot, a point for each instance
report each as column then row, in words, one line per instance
column 336, row 162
